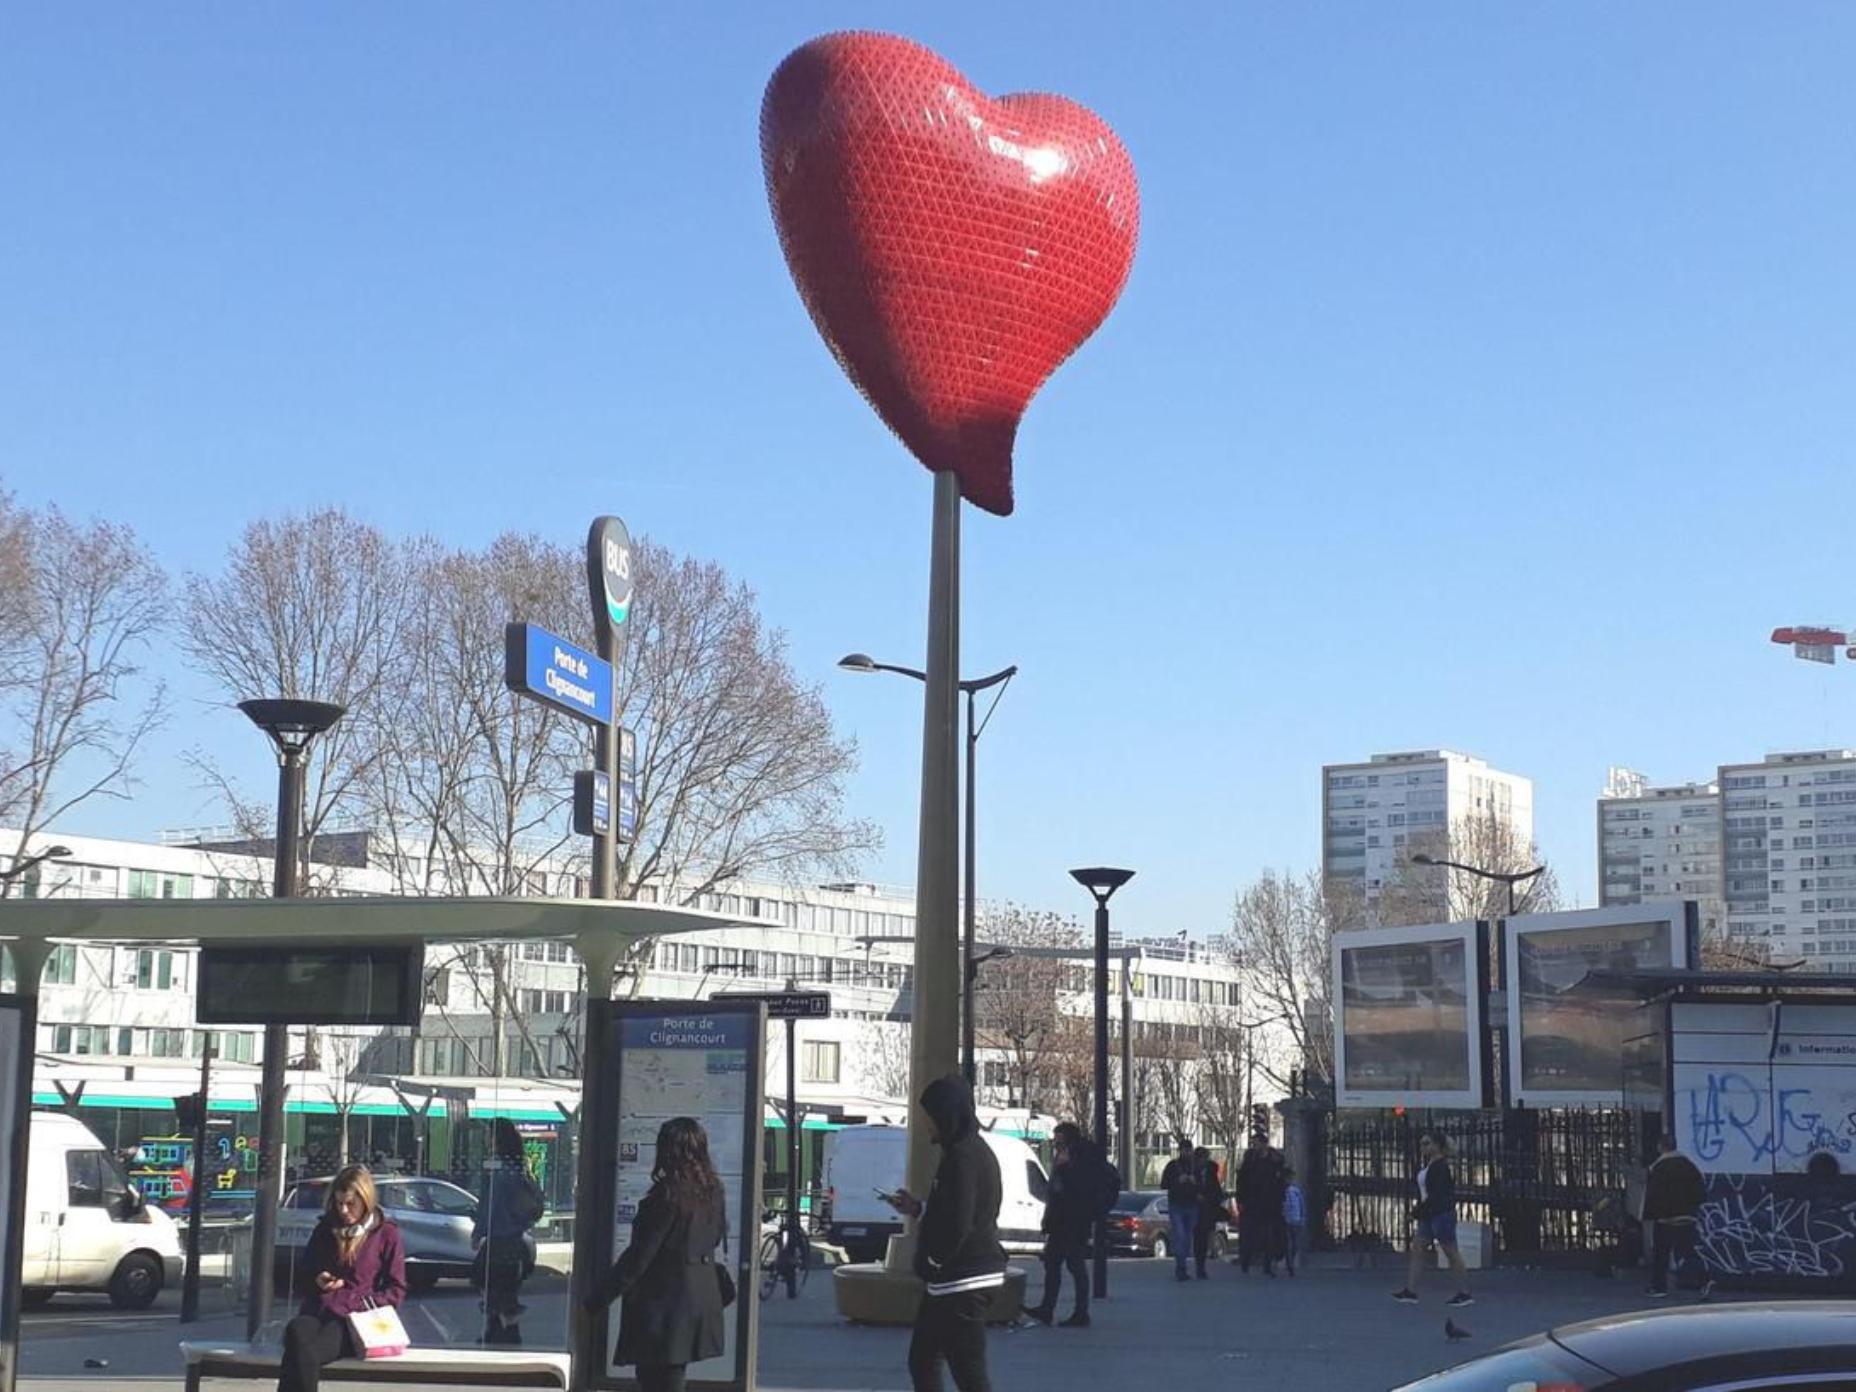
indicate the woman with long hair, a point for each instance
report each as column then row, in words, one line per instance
column 357, row 1261
column 511, row 1204
column 667, row 1281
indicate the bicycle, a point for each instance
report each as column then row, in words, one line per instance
column 785, row 1255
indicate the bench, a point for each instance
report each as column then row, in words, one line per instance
column 461, row 1367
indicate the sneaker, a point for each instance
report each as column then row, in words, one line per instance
column 1407, row 1296
column 1460, row 1300
column 1076, row 1321
column 1656, row 1294
column 1204, row 1275
column 1040, row 1314
column 1706, row 1293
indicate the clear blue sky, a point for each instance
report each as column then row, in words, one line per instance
column 1484, row 378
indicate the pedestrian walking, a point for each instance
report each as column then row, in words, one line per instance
column 510, row 1205
column 957, row 1251
column 1672, row 1197
column 671, row 1290
column 1182, row 1181
column 1214, row 1207
column 359, row 1262
column 1434, row 1223
column 1259, row 1196
column 1083, row 1187
column 1294, row 1220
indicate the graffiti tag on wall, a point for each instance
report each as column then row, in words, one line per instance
column 1755, row 1226
column 1737, row 1121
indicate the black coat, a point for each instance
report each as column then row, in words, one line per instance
column 670, row 1310
column 1439, row 1191
column 957, row 1244
column 1078, row 1188
column 1675, row 1189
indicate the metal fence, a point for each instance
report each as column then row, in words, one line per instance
column 1547, row 1182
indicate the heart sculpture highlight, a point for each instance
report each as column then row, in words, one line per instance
column 953, row 249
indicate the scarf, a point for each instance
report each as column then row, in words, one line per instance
column 350, row 1236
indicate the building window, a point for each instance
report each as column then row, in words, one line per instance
column 154, row 971
column 61, row 966
column 818, row 1061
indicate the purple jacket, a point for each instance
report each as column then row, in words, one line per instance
column 376, row 1276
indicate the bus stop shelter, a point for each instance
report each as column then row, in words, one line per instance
column 601, row 932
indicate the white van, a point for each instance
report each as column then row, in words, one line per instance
column 860, row 1160
column 87, row 1227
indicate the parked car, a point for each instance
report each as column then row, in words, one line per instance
column 1140, row 1225
column 860, row 1160
column 1684, row 1348
column 435, row 1218
column 87, row 1227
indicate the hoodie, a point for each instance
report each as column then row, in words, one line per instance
column 957, row 1248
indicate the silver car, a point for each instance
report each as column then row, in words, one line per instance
column 435, row 1218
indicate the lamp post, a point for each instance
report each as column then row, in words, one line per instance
column 1511, row 878
column 1102, row 881
column 292, row 726
column 860, row 662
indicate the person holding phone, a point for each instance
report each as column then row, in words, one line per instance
column 957, row 1251
column 359, row 1261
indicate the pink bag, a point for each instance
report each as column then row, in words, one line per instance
column 379, row 1332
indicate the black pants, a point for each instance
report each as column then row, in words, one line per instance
column 951, row 1328
column 503, row 1259
column 661, row 1377
column 311, row 1342
column 1254, row 1241
column 1202, row 1236
column 1672, row 1242
column 1061, row 1257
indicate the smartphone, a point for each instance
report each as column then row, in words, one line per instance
column 885, row 1196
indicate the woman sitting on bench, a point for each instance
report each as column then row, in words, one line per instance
column 358, row 1261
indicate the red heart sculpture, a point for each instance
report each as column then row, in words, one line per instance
column 952, row 249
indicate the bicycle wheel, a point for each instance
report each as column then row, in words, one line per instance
column 802, row 1262
column 769, row 1264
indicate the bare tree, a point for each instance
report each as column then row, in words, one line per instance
column 339, row 1057
column 883, row 1050
column 309, row 608
column 1437, row 894
column 82, row 604
column 1018, row 1006
column 1281, row 932
column 1220, row 1083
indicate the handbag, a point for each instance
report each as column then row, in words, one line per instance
column 724, row 1278
column 378, row 1331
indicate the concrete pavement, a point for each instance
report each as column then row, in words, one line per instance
column 1333, row 1327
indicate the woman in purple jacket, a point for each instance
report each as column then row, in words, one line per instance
column 357, row 1261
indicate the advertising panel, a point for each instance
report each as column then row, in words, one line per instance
column 1568, row 1019
column 701, row 1060
column 1409, row 1019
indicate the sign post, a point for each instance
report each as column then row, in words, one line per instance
column 609, row 586
column 792, row 1006
column 17, row 1030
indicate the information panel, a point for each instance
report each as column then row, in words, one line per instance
column 1409, row 1027
column 693, row 1059
column 349, row 985
column 1568, row 1017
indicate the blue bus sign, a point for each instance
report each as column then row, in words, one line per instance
column 547, row 667
column 593, row 795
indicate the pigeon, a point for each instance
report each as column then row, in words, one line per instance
column 96, row 1363
column 1455, row 1332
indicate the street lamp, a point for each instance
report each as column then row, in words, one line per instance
column 1511, row 878
column 862, row 662
column 292, row 726
column 1102, row 881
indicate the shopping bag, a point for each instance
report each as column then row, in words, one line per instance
column 379, row 1332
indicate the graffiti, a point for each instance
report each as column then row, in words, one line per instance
column 163, row 1169
column 1737, row 1123
column 1752, row 1227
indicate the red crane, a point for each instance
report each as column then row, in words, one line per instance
column 1815, row 642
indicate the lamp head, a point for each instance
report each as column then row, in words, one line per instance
column 292, row 724
column 857, row 662
column 1101, row 880
column 1422, row 859
column 57, row 852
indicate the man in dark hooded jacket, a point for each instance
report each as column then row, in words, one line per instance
column 957, row 1251
column 1083, row 1186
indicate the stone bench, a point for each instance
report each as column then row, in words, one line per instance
column 462, row 1367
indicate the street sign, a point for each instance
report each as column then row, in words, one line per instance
column 609, row 582
column 546, row 666
column 786, row 1005
column 593, row 795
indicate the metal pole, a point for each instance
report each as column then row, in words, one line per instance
column 196, row 1199
column 969, row 996
column 1100, row 1280
column 28, row 965
column 1127, row 1073
column 934, row 1039
column 792, row 1153
column 276, row 1046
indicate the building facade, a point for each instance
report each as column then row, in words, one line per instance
column 1788, row 865
column 1661, row 843
column 1376, row 815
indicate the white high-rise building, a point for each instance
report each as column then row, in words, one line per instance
column 1660, row 843
column 1789, row 854
column 1375, row 815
